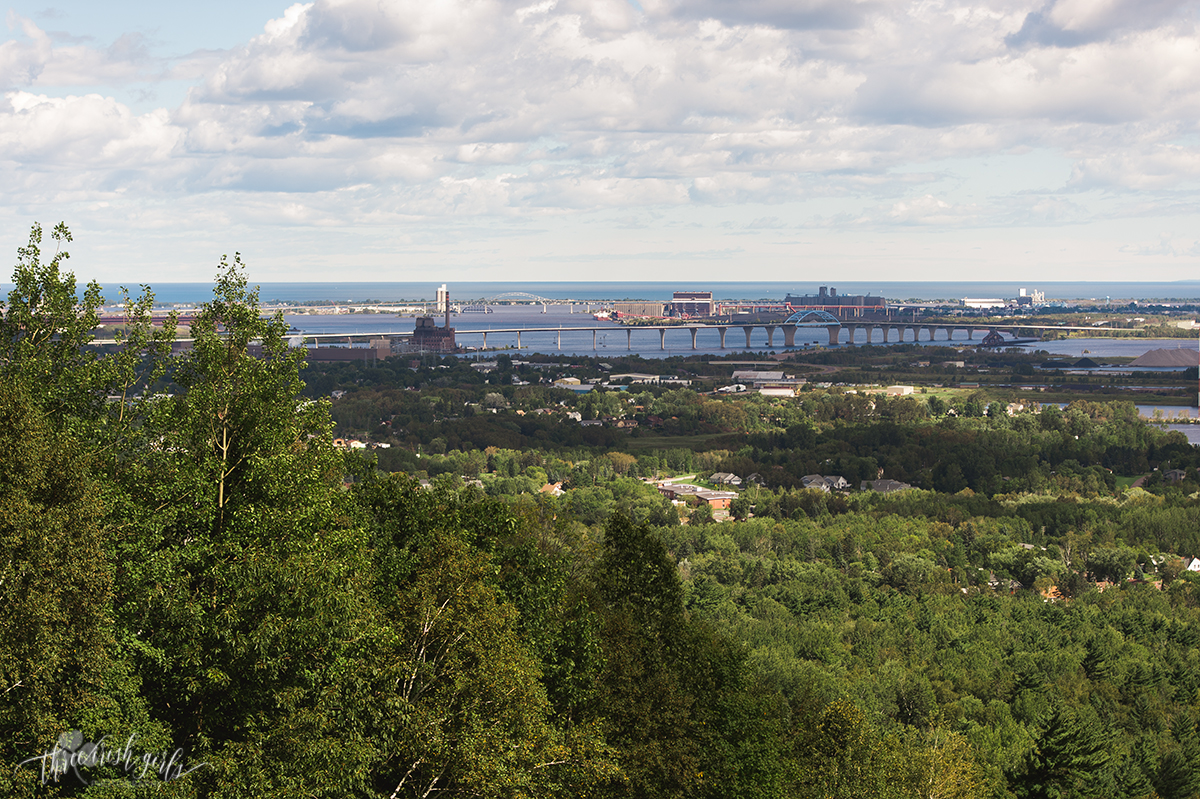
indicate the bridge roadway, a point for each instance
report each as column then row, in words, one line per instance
column 789, row 331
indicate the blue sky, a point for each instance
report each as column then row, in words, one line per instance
column 448, row 140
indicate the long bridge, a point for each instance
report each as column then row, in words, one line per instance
column 806, row 321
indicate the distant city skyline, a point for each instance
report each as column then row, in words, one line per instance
column 815, row 141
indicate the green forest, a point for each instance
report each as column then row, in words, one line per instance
column 193, row 569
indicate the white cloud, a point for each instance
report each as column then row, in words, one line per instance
column 1068, row 23
column 353, row 112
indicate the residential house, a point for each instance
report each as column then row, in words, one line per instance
column 814, row 481
column 829, row 482
column 883, row 486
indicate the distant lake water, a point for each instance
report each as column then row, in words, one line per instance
column 1112, row 347
column 191, row 293
column 1192, row 431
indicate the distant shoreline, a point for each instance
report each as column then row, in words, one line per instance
column 598, row 291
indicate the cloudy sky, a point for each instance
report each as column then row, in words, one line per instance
column 798, row 140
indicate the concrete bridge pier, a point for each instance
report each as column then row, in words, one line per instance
column 693, row 330
column 485, row 339
column 834, row 330
column 722, row 330
column 770, row 335
column 629, row 338
column 560, row 341
column 748, row 330
column 970, row 334
column 789, row 335
column 851, row 329
column 518, row 339
column 662, row 338
column 593, row 339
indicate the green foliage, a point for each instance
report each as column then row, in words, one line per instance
column 1071, row 758
column 58, row 669
column 45, row 327
column 196, row 564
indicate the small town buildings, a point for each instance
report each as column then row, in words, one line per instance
column 725, row 478
column 677, row 490
column 693, row 495
column 717, row 500
column 755, row 378
column 636, row 378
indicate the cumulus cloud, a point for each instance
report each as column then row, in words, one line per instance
column 35, row 58
column 798, row 14
column 535, row 107
column 1070, row 23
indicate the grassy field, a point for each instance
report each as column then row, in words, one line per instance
column 672, row 442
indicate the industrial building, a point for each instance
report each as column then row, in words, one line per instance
column 652, row 310
column 691, row 303
column 682, row 304
column 840, row 305
column 427, row 336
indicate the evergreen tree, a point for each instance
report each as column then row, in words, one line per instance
column 1070, row 760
